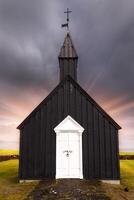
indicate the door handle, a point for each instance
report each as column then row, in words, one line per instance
column 67, row 152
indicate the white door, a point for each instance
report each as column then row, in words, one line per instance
column 69, row 150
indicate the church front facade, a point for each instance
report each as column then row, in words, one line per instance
column 69, row 135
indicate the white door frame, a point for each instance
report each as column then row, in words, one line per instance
column 69, row 125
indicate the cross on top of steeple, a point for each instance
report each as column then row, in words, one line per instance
column 67, row 24
column 67, row 12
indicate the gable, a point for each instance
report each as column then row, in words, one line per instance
column 69, row 124
column 66, row 95
column 94, row 103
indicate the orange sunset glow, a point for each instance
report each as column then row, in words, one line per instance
column 19, row 109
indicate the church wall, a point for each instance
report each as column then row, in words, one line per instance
column 38, row 139
column 108, row 149
column 100, row 137
column 96, row 143
column 102, row 146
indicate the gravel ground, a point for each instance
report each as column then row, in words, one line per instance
column 68, row 189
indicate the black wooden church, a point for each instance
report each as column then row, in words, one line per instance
column 68, row 135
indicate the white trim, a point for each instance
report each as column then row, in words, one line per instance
column 117, row 182
column 60, row 127
column 69, row 125
column 28, row 181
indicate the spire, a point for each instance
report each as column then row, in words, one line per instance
column 68, row 59
column 68, row 50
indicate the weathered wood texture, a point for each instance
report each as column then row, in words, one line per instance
column 68, row 67
column 38, row 139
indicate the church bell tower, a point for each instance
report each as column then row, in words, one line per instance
column 68, row 59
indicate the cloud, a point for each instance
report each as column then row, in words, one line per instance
column 30, row 40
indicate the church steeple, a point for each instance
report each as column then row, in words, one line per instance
column 68, row 59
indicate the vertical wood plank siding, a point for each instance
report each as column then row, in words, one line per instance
column 68, row 67
column 38, row 139
column 90, row 141
column 96, row 144
column 102, row 146
column 21, row 155
column 117, row 154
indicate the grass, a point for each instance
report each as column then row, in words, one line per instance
column 127, row 173
column 117, row 192
column 10, row 188
column 126, row 153
column 16, row 152
column 8, row 152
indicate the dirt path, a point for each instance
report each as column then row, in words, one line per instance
column 68, row 189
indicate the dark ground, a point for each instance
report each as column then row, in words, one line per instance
column 68, row 189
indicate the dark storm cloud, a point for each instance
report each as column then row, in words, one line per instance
column 106, row 50
column 30, row 39
column 23, row 65
column 102, row 32
column 27, row 53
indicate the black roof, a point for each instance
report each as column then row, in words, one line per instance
column 68, row 49
column 72, row 81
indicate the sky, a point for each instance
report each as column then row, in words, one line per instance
column 30, row 40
